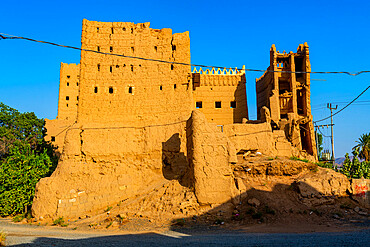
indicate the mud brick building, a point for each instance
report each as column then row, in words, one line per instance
column 128, row 126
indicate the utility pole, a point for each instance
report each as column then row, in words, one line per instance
column 332, row 134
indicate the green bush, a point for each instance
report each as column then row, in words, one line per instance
column 355, row 168
column 25, row 158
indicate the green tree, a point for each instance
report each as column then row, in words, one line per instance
column 364, row 145
column 25, row 158
column 355, row 168
column 319, row 144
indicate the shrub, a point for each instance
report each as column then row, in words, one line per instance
column 25, row 158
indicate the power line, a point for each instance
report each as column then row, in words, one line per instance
column 345, row 106
column 8, row 36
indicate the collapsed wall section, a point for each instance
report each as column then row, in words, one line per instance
column 287, row 96
column 117, row 90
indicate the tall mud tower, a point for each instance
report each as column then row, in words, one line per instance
column 121, row 91
column 287, row 96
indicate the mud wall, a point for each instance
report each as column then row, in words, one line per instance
column 117, row 90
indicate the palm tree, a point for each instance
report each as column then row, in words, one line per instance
column 364, row 145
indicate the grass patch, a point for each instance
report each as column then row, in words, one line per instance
column 18, row 218
column 108, row 209
column 3, row 236
column 60, row 222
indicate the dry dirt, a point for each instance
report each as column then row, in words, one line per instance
column 276, row 195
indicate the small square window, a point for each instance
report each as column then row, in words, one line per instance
column 160, row 87
column 67, row 97
column 95, row 89
column 130, row 90
column 199, row 104
column 232, row 104
column 110, row 90
column 68, row 76
column 67, row 84
column 218, row 104
column 111, row 49
column 53, row 138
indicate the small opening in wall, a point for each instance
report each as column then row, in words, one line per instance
column 174, row 86
column 174, row 47
column 98, row 48
column 199, row 104
column 171, row 66
column 111, row 69
column 68, row 76
column 117, row 66
column 130, row 90
column 67, row 105
column 155, row 48
column 218, row 104
column 111, row 49
column 110, row 90
column 132, row 49
column 132, row 30
column 123, row 29
column 67, row 97
column 124, row 65
column 98, row 67
column 160, row 87
column 132, row 68
column 95, row 89
column 53, row 138
column 232, row 104
column 139, row 65
column 67, row 84
column 77, row 84
column 77, row 97
column 97, row 30
column 112, row 30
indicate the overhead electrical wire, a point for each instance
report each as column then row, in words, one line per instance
column 8, row 36
column 344, row 106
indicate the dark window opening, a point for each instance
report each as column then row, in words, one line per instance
column 110, row 90
column 284, row 116
column 298, row 61
column 67, row 105
column 68, row 76
column 111, row 49
column 112, row 30
column 117, row 66
column 95, row 89
column 77, row 84
column 124, row 65
column 218, row 104
column 174, row 86
column 111, row 69
column 77, row 97
column 174, row 47
column 123, row 29
column 155, row 48
column 199, row 104
column 98, row 67
column 160, row 87
column 232, row 104
column 301, row 95
column 132, row 49
column 139, row 65
column 132, row 68
column 171, row 66
column 53, row 138
column 130, row 90
column 98, row 48
column 97, row 30
column 67, row 97
column 67, row 84
column 132, row 30
column 284, row 86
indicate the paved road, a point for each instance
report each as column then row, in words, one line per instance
column 26, row 235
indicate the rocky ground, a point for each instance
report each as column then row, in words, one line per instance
column 276, row 195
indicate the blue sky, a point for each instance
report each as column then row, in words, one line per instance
column 222, row 33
